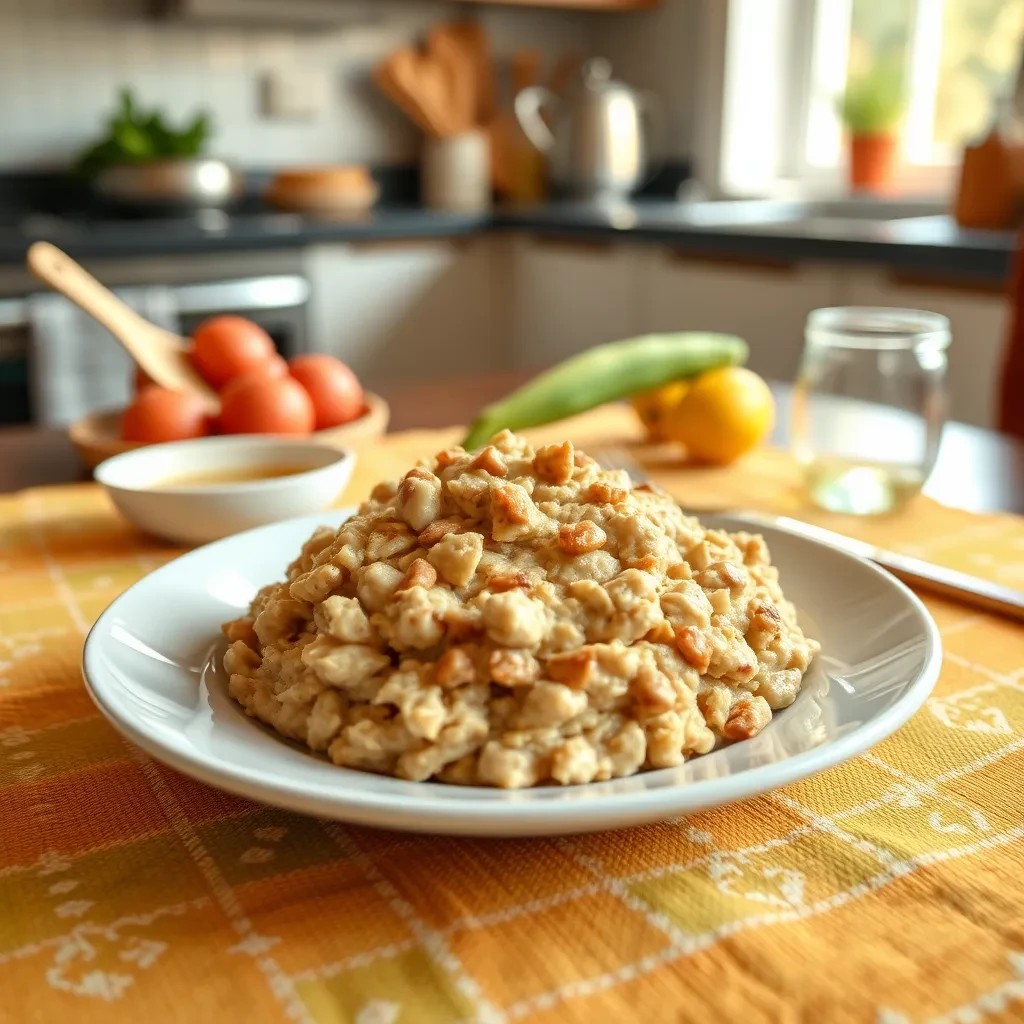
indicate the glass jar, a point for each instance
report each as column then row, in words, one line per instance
column 869, row 405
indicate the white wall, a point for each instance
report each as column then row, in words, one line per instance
column 62, row 61
column 659, row 50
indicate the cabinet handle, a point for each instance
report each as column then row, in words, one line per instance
column 405, row 244
column 946, row 283
column 584, row 245
column 775, row 266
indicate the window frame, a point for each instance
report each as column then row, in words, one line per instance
column 807, row 55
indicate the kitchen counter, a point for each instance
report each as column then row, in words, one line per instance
column 931, row 242
column 746, row 229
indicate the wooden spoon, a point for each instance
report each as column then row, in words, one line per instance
column 161, row 354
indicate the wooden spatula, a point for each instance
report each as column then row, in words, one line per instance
column 455, row 63
column 161, row 354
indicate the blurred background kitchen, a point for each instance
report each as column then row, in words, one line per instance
column 353, row 176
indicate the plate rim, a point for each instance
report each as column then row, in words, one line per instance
column 499, row 818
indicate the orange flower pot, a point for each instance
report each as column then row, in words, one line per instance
column 872, row 161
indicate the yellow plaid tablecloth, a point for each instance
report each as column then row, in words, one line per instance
column 888, row 890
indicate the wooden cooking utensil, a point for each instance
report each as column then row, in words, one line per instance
column 517, row 166
column 391, row 78
column 472, row 38
column 161, row 354
column 455, row 64
column 418, row 84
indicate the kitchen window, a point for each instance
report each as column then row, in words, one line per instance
column 955, row 58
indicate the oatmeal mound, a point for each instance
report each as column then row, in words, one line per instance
column 514, row 616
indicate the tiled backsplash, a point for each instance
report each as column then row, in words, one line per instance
column 62, row 62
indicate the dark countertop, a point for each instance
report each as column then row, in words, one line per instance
column 214, row 231
column 930, row 243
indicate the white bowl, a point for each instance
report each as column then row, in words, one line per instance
column 199, row 512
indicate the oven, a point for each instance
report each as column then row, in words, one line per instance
column 277, row 302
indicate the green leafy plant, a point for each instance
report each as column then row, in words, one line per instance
column 873, row 103
column 135, row 136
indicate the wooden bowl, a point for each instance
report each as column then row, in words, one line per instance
column 96, row 436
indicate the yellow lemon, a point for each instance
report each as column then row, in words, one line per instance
column 654, row 406
column 723, row 415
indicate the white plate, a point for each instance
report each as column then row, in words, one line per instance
column 152, row 666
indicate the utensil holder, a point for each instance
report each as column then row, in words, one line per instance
column 456, row 172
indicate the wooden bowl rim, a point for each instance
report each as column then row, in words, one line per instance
column 97, row 430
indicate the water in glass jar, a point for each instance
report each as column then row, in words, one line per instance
column 869, row 406
column 861, row 487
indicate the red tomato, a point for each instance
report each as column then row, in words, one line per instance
column 261, row 404
column 225, row 347
column 275, row 366
column 159, row 414
column 336, row 393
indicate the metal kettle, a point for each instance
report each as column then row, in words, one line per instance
column 597, row 145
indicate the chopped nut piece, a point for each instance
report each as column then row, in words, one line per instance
column 454, row 668
column 579, row 538
column 574, row 668
column 679, row 571
column 720, row 576
column 662, row 633
column 437, row 529
column 490, row 461
column 653, row 690
column 449, row 456
column 554, row 463
column 601, row 492
column 419, row 498
column 241, row 629
column 508, row 581
column 511, row 503
column 765, row 617
column 317, row 584
column 389, row 540
column 645, row 563
column 694, row 647
column 462, row 626
column 420, row 574
column 749, row 715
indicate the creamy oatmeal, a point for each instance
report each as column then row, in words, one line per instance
column 514, row 616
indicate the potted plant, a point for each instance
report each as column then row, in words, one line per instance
column 871, row 110
column 143, row 161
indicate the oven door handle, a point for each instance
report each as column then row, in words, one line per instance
column 275, row 291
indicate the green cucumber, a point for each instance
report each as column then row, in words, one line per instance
column 604, row 374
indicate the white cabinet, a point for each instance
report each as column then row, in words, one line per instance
column 764, row 303
column 978, row 322
column 422, row 310
column 571, row 295
column 406, row 310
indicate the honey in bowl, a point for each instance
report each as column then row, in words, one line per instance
column 231, row 475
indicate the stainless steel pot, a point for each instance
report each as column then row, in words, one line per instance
column 597, row 142
column 184, row 184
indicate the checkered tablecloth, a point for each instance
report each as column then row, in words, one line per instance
column 887, row 890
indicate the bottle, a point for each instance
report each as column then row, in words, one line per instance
column 991, row 183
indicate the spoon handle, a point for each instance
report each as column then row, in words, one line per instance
column 64, row 275
column 157, row 351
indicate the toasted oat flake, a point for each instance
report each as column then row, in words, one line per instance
column 514, row 617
